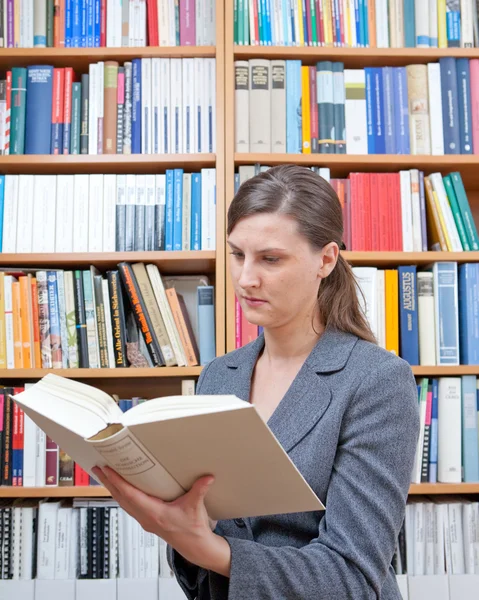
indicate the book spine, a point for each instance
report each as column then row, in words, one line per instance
column 450, row 107
column 18, row 110
column 117, row 319
column 80, row 319
column 408, row 315
column 84, row 113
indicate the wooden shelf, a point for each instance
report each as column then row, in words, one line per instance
column 99, row 491
column 80, row 58
column 354, row 57
column 127, row 373
column 386, row 259
column 444, row 488
column 446, row 371
column 102, row 163
column 192, row 262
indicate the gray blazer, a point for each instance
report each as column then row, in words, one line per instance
column 350, row 423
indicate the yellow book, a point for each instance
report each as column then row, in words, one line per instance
column 3, row 338
column 26, row 321
column 348, row 36
column 17, row 325
column 306, row 110
column 443, row 223
column 391, row 287
column 435, row 233
column 328, row 22
column 300, row 22
column 441, row 24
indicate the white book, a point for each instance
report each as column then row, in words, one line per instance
column 142, row 24
column 109, row 212
column 438, row 185
column 241, row 112
column 367, row 282
column 62, row 542
column 439, row 539
column 120, row 213
column 74, row 545
column 403, row 586
column 163, row 23
column 146, row 105
column 429, row 521
column 54, row 589
column 109, row 329
column 95, row 213
column 381, row 308
column 44, row 213
column 156, row 115
column 141, row 588
column 18, row 589
column 149, row 199
column 176, row 121
column 95, row 589
column 325, row 173
column 100, row 100
column 419, row 539
column 406, row 211
column 422, row 24
column 130, row 200
column 433, row 23
column 29, row 452
column 416, row 211
column 209, row 22
column 40, row 24
column 25, row 222
column 204, row 95
column 355, row 112
column 426, row 318
column 62, row 318
column 449, row 468
column 463, row 587
column 260, row 100
column 172, row 22
column 10, row 214
column 81, row 206
column 457, row 538
column 467, row 23
column 208, row 209
column 409, row 534
column 210, row 64
column 92, row 109
column 113, row 23
column 9, row 340
column 428, row 587
column 113, row 543
column 169, row 588
column 199, row 83
column 64, row 213
column 139, row 243
column 188, row 106
column 165, row 106
column 470, row 527
column 46, row 528
column 15, row 544
column 278, row 106
column 435, row 108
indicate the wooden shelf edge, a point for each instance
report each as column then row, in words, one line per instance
column 446, row 371
column 127, row 373
column 393, row 161
column 401, row 258
column 444, row 488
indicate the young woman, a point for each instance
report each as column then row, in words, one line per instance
column 344, row 409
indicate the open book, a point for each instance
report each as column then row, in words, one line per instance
column 162, row 446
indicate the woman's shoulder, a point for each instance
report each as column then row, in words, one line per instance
column 373, row 359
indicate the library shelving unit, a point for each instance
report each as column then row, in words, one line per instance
column 147, row 382
column 342, row 165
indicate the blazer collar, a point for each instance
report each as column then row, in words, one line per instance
column 330, row 354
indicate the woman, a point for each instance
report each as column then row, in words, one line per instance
column 344, row 409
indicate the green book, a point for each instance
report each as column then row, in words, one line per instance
column 456, row 212
column 465, row 209
column 241, row 22
column 18, row 110
column 314, row 24
column 76, row 115
column 50, row 23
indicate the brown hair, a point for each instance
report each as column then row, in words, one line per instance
column 300, row 193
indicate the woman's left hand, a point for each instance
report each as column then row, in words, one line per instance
column 183, row 523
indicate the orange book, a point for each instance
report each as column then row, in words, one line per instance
column 36, row 325
column 306, row 110
column 26, row 322
column 391, row 287
column 17, row 325
column 372, row 23
column 183, row 325
column 3, row 333
column 435, row 233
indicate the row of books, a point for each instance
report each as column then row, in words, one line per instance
column 285, row 106
column 111, row 23
column 146, row 106
column 107, row 213
column 83, row 319
column 439, row 536
column 404, row 212
column 371, row 23
column 77, row 539
column 448, row 444
column 29, row 458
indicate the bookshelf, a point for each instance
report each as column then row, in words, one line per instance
column 341, row 165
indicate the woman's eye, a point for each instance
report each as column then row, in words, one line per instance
column 271, row 259
column 237, row 254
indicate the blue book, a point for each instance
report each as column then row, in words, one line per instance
column 446, row 313
column 294, row 133
column 2, row 205
column 433, row 435
column 469, row 313
column 464, row 104
column 195, row 240
column 450, row 108
column 357, row 19
column 169, row 209
column 68, row 23
column 76, row 23
column 470, row 446
column 178, row 210
column 371, row 110
column 38, row 119
column 401, row 111
column 90, row 23
column 284, row 24
column 83, row 23
column 269, row 31
column 363, row 18
column 96, row 23
column 389, row 108
column 410, row 24
column 409, row 329
column 206, row 323
column 136, row 108
column 380, row 112
column 453, row 27
column 125, row 405
column 54, row 314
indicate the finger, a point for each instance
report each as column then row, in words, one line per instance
column 201, row 486
column 131, row 495
column 101, row 475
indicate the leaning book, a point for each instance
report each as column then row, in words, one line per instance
column 162, row 446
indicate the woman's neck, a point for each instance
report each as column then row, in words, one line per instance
column 289, row 343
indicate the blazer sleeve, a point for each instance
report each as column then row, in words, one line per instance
column 189, row 576
column 365, row 505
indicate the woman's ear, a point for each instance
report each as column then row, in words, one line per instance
column 329, row 256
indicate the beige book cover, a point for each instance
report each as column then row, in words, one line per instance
column 418, row 101
column 162, row 446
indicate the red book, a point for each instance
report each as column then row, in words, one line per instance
column 57, row 110
column 81, row 477
column 309, row 29
column 67, row 110
column 9, row 105
column 384, row 213
column 366, row 212
column 103, row 24
column 320, row 21
column 152, row 22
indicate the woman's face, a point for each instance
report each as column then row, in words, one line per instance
column 275, row 272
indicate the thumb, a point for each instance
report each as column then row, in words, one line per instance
column 201, row 486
